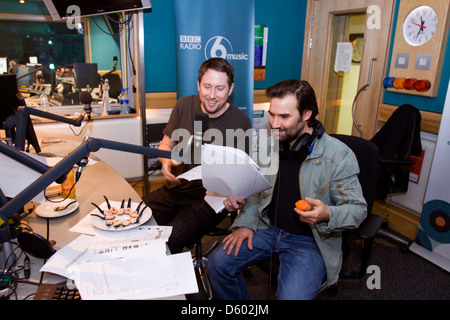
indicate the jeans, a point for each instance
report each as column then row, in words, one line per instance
column 301, row 272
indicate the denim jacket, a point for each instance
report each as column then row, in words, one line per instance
column 329, row 173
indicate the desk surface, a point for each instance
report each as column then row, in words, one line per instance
column 97, row 179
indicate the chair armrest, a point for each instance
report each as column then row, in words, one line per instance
column 396, row 161
column 370, row 226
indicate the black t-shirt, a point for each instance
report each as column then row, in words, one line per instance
column 286, row 193
column 183, row 116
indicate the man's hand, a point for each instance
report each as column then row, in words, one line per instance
column 319, row 213
column 235, row 239
column 166, row 164
column 232, row 205
column 166, row 169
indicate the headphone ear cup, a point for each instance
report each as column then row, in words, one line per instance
column 301, row 147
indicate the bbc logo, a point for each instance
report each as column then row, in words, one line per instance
column 191, row 39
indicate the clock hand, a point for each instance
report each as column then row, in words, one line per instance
column 419, row 25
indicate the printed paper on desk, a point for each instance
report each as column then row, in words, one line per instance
column 231, row 172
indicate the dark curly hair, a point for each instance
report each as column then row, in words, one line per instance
column 302, row 90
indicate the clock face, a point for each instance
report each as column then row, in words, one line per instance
column 420, row 25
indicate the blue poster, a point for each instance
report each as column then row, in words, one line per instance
column 216, row 28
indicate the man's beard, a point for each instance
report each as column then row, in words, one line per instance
column 291, row 136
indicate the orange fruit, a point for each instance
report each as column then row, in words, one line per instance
column 302, row 205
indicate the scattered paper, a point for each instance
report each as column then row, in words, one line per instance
column 130, row 266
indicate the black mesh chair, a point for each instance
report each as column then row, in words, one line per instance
column 397, row 139
column 367, row 154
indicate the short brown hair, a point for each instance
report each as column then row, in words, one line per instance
column 302, row 90
column 218, row 64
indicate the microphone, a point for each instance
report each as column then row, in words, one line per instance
column 86, row 99
column 81, row 164
column 201, row 124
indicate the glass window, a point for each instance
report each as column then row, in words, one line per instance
column 48, row 56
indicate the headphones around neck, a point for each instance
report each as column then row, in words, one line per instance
column 304, row 144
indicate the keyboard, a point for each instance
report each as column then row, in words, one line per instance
column 56, row 292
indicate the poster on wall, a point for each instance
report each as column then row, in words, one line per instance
column 216, row 28
column 433, row 235
column 261, row 38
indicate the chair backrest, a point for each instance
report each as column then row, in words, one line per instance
column 399, row 137
column 367, row 154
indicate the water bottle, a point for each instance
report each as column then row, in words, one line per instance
column 123, row 99
column 44, row 101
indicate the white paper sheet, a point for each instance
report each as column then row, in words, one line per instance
column 128, row 272
column 231, row 172
column 123, row 268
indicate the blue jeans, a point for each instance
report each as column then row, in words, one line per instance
column 300, row 275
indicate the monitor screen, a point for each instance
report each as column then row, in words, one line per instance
column 26, row 75
column 58, row 9
column 86, row 74
column 8, row 92
column 3, row 65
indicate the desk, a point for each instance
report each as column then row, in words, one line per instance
column 96, row 180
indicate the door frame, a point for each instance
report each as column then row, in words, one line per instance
column 317, row 51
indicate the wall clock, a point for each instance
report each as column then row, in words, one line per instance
column 419, row 46
column 420, row 25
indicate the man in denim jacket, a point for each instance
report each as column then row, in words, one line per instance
column 312, row 166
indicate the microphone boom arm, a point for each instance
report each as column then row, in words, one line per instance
column 66, row 164
column 23, row 114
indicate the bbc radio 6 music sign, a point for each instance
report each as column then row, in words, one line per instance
column 206, row 29
column 217, row 46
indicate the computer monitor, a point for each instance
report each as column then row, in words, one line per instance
column 3, row 65
column 8, row 107
column 26, row 75
column 8, row 92
column 86, row 74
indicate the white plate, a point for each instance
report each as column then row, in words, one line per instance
column 46, row 210
column 100, row 223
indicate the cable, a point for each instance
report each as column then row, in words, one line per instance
column 82, row 128
column 273, row 236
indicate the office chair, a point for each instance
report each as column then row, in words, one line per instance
column 367, row 154
column 397, row 140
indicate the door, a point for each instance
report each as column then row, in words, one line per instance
column 331, row 28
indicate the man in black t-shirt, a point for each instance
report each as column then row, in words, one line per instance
column 180, row 203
